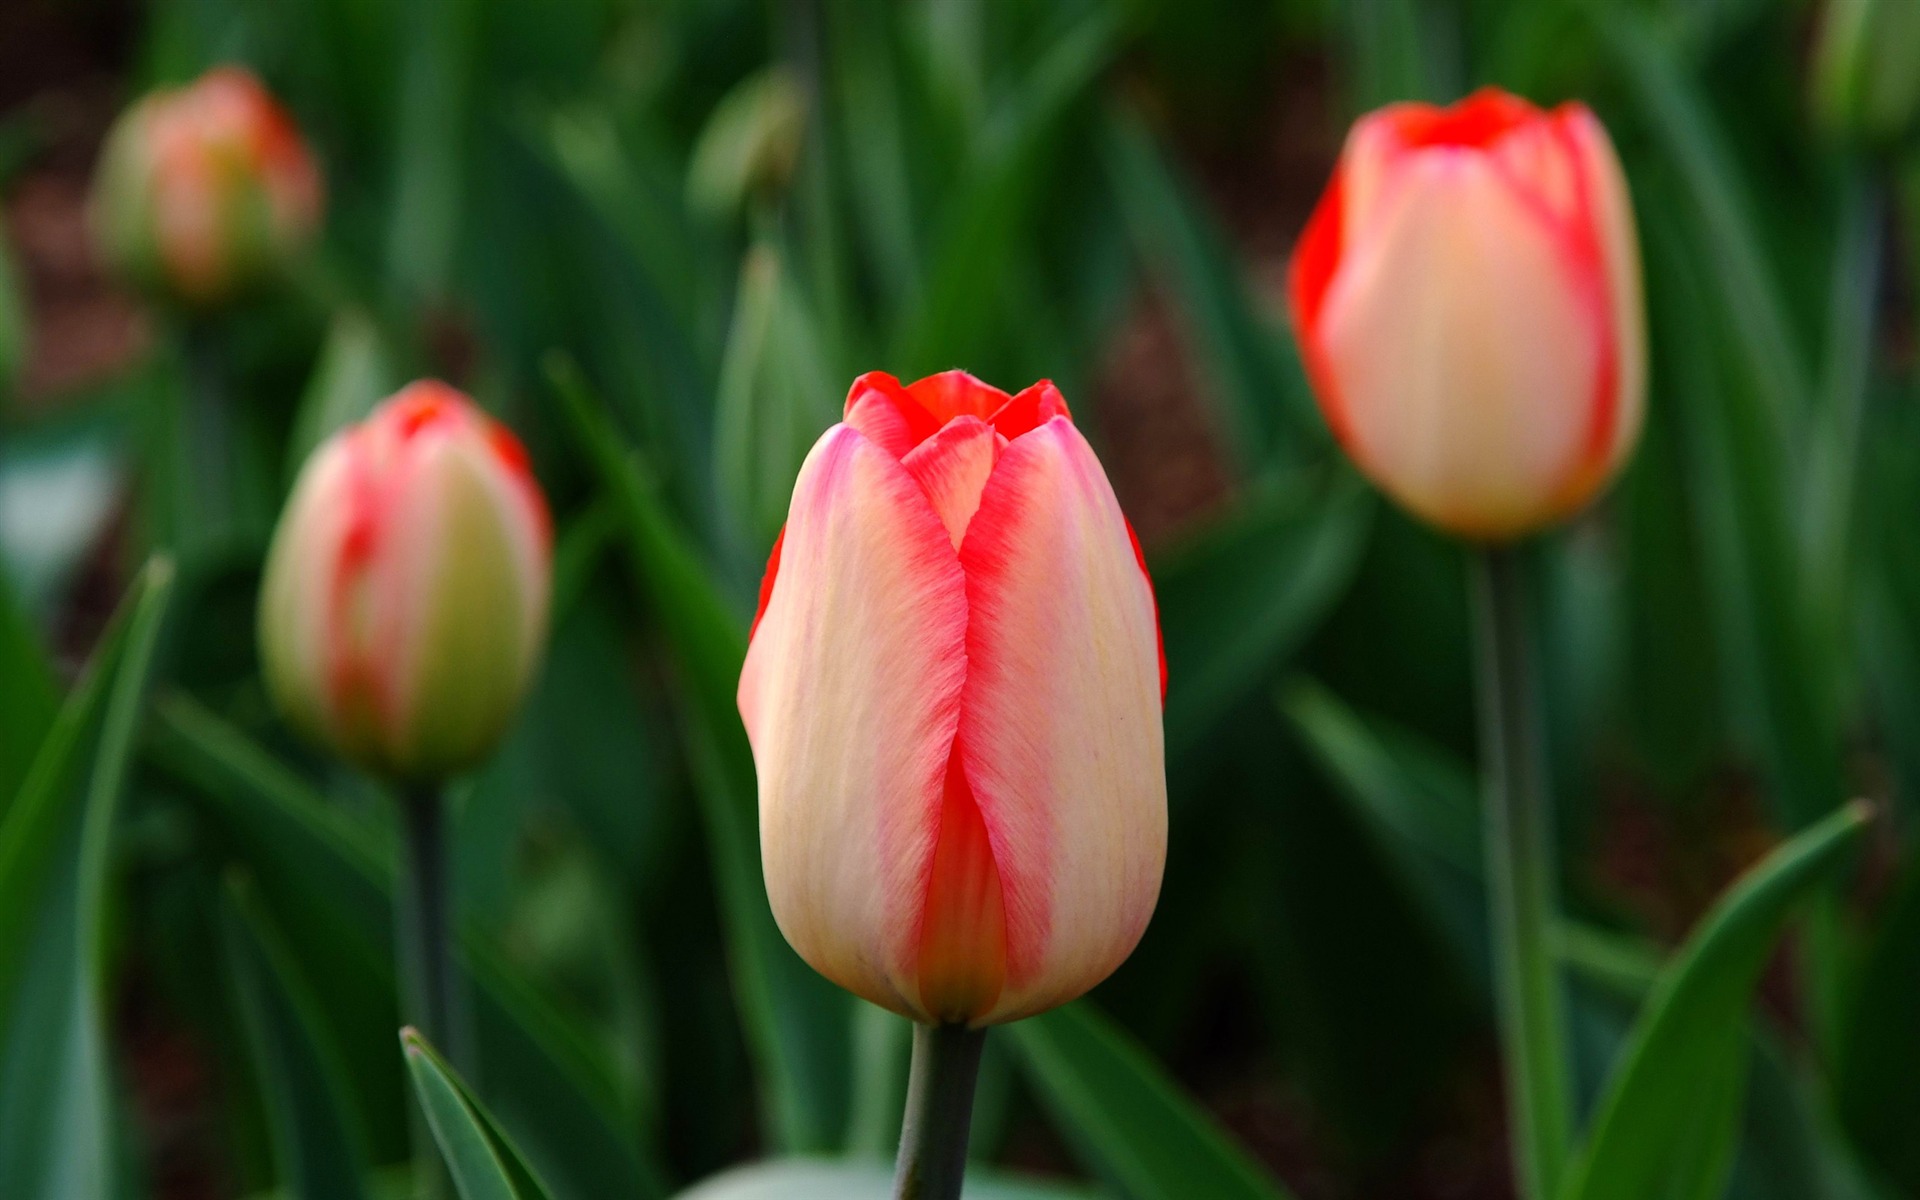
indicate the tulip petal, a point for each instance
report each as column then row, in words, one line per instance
column 952, row 466
column 851, row 699
column 1060, row 724
column 879, row 407
column 1449, row 246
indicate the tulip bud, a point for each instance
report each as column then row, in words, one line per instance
column 1866, row 68
column 405, row 600
column 1468, row 305
column 205, row 191
column 953, row 693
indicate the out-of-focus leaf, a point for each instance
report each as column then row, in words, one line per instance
column 776, row 395
column 29, row 698
column 1237, row 598
column 57, row 1110
column 1263, row 410
column 332, row 879
column 1666, row 1124
column 820, row 1179
column 1129, row 1123
column 795, row 1022
column 863, row 95
column 431, row 146
column 749, row 145
column 1879, row 1052
column 58, row 487
column 483, row 1161
column 317, row 1142
column 354, row 373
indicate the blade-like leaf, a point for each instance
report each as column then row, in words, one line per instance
column 56, row 1104
column 481, row 1158
column 1129, row 1122
column 1238, row 597
column 795, row 1022
column 317, row 1142
column 1665, row 1126
column 28, row 699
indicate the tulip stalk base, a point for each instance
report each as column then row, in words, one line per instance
column 939, row 1116
column 426, row 940
column 1520, row 880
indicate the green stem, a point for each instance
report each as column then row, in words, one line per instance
column 933, row 1133
column 425, row 944
column 208, row 431
column 1520, row 879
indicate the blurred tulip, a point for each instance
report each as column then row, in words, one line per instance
column 405, row 600
column 953, row 693
column 205, row 191
column 1468, row 303
column 1866, row 68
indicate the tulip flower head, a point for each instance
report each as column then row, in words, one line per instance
column 205, row 191
column 953, row 693
column 405, row 601
column 1468, row 303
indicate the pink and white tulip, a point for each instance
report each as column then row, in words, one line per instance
column 404, row 607
column 1468, row 302
column 953, row 693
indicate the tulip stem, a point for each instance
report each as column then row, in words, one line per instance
column 1520, row 879
column 933, row 1133
column 426, row 947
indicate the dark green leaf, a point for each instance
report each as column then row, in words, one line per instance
column 481, row 1158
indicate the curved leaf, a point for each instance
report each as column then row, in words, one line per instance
column 1130, row 1123
column 483, row 1161
column 1666, row 1125
column 822, row 1179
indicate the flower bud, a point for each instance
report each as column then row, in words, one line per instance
column 205, row 191
column 1866, row 69
column 1468, row 304
column 953, row 693
column 404, row 606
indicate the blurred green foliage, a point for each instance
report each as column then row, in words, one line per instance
column 660, row 237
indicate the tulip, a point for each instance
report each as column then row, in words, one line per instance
column 953, row 695
column 1468, row 303
column 205, row 191
column 405, row 601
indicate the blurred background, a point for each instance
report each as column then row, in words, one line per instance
column 660, row 237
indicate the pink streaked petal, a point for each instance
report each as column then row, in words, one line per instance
column 952, row 466
column 953, row 394
column 851, row 699
column 1029, row 410
column 879, row 407
column 1060, row 722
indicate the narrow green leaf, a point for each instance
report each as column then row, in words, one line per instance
column 1666, row 1125
column 317, row 1142
column 822, row 1179
column 1130, row 1123
column 482, row 1159
column 28, row 700
column 355, row 372
column 796, row 1024
column 1237, row 598
column 1879, row 1051
column 56, row 1103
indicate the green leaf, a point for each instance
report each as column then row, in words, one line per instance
column 823, row 1179
column 328, row 880
column 482, row 1159
column 28, row 700
column 1128, row 1121
column 1665, row 1127
column 317, row 1142
column 56, row 1102
column 1261, row 406
column 1237, row 598
column 1879, row 1050
column 355, row 372
column 796, row 1023
column 749, row 144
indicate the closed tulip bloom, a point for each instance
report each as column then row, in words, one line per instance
column 953, row 692
column 405, row 601
column 1468, row 303
column 205, row 191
